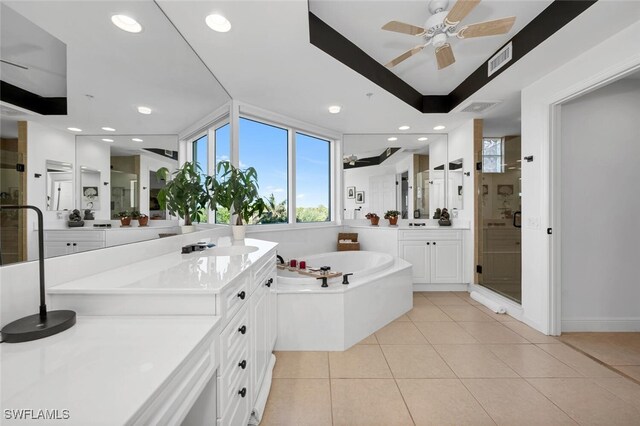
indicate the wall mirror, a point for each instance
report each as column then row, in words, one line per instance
column 59, row 184
column 456, row 184
column 103, row 95
column 394, row 172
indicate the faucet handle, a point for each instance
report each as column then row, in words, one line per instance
column 345, row 278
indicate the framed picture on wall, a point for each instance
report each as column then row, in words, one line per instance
column 351, row 192
column 90, row 198
column 360, row 197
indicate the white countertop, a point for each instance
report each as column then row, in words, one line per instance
column 197, row 272
column 453, row 226
column 103, row 370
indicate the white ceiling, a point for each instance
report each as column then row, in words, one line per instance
column 360, row 22
column 266, row 60
column 155, row 68
column 369, row 145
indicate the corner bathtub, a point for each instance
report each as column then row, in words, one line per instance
column 334, row 318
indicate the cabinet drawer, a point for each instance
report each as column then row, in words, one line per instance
column 235, row 295
column 74, row 235
column 234, row 378
column 236, row 410
column 262, row 272
column 232, row 340
column 427, row 235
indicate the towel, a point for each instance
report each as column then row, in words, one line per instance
column 261, row 401
column 345, row 241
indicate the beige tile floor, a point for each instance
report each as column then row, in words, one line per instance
column 621, row 351
column 450, row 362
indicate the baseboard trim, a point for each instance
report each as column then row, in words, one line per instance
column 601, row 324
column 440, row 287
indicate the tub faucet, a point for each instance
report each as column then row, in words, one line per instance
column 280, row 259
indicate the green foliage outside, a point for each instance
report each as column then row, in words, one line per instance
column 312, row 214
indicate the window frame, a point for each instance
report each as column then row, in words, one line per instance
column 330, row 219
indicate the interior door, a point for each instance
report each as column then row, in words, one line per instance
column 499, row 209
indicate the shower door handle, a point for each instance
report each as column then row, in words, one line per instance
column 517, row 218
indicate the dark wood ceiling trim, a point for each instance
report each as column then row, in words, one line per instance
column 24, row 99
column 548, row 22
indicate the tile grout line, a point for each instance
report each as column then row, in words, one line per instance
column 330, row 388
column 604, row 364
column 395, row 381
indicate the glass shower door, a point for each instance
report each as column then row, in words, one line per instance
column 12, row 243
column 500, row 201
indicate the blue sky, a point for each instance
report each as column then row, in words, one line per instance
column 264, row 147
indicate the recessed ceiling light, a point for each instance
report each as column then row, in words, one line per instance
column 136, row 140
column 440, row 127
column 404, row 127
column 218, row 23
column 144, row 110
column 392, row 139
column 334, row 109
column 107, row 140
column 422, row 139
column 74, row 129
column 126, row 23
column 109, row 129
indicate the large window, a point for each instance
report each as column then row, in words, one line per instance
column 265, row 148
column 222, row 153
column 200, row 153
column 492, row 155
column 312, row 179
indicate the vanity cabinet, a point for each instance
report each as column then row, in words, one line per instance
column 247, row 342
column 436, row 256
column 61, row 242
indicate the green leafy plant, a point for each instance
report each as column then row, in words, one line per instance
column 135, row 214
column 185, row 193
column 124, row 213
column 237, row 190
column 275, row 212
column 391, row 213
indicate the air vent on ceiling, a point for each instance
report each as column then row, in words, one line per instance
column 500, row 59
column 478, row 107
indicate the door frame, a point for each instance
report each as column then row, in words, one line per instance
column 555, row 177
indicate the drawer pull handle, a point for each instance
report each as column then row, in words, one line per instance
column 68, row 244
column 242, row 392
column 243, row 364
column 241, row 295
column 434, row 243
column 269, row 282
column 243, row 329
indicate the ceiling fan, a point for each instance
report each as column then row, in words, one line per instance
column 352, row 160
column 441, row 25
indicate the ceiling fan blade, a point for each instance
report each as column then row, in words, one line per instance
column 489, row 28
column 459, row 11
column 444, row 55
column 401, row 27
column 406, row 55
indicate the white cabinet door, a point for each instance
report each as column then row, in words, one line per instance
column 260, row 334
column 87, row 245
column 273, row 315
column 57, row 248
column 446, row 262
column 417, row 254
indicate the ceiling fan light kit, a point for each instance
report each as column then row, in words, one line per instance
column 442, row 25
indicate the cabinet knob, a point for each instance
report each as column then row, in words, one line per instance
column 428, row 243
column 241, row 295
column 434, row 243
column 243, row 329
column 269, row 282
column 242, row 392
column 74, row 244
column 243, row 364
column 68, row 244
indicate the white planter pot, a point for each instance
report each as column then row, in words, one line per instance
column 239, row 231
column 186, row 229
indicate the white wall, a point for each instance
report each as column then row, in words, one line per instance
column 359, row 177
column 297, row 243
column 612, row 56
column 44, row 143
column 460, row 145
column 600, row 232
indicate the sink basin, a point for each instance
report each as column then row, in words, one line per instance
column 231, row 250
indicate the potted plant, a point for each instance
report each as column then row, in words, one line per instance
column 184, row 194
column 143, row 219
column 374, row 218
column 392, row 216
column 237, row 190
column 125, row 218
